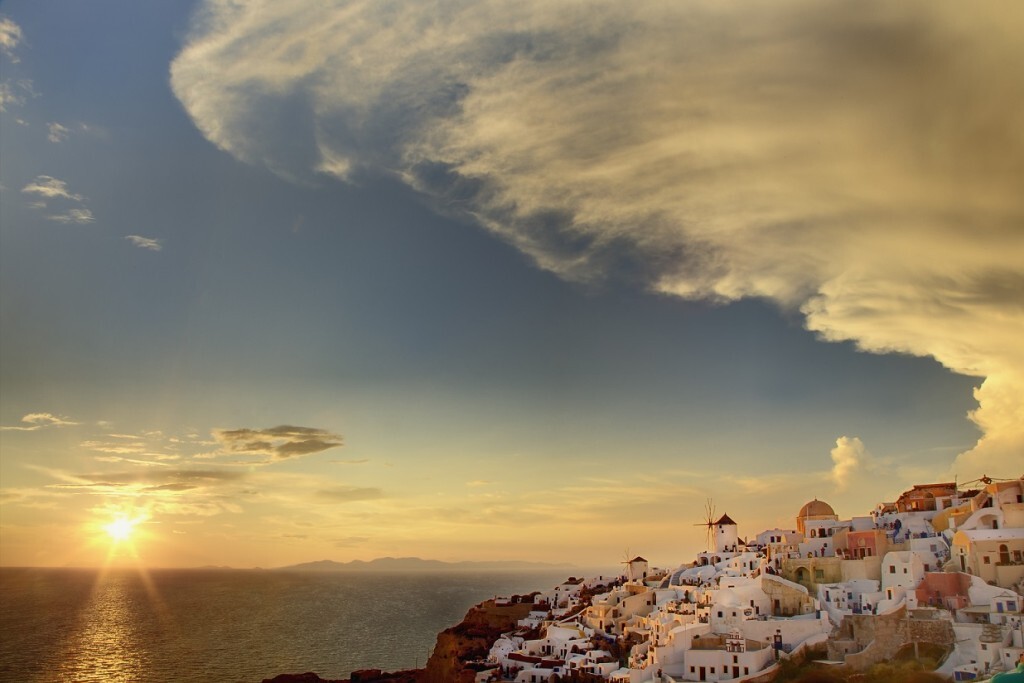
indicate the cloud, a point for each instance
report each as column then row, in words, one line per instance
column 10, row 37
column 9, row 97
column 348, row 494
column 15, row 94
column 73, row 216
column 282, row 442
column 57, row 132
column 132, row 461
column 850, row 460
column 145, row 242
column 155, row 485
column 841, row 161
column 50, row 187
column 116, row 447
column 35, row 421
column 350, row 541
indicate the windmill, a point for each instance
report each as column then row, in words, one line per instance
column 625, row 564
column 984, row 481
column 709, row 523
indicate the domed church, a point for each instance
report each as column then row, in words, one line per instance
column 814, row 510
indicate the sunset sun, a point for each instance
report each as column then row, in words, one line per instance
column 122, row 528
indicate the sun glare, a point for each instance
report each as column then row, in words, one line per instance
column 122, row 528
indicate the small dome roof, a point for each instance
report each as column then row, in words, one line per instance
column 816, row 508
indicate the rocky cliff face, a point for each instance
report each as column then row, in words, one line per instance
column 364, row 676
column 471, row 640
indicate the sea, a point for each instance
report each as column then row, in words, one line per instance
column 220, row 625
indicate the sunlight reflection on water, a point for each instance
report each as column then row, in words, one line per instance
column 108, row 641
column 196, row 625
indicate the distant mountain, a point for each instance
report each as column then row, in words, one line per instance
column 412, row 564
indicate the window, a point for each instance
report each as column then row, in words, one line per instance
column 892, row 569
column 904, row 570
column 988, row 560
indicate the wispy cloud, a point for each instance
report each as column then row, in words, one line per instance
column 132, row 461
column 350, row 541
column 10, row 37
column 50, row 187
column 15, row 93
column 282, row 442
column 145, row 242
column 36, row 421
column 81, row 216
column 842, row 162
column 56, row 132
column 117, row 447
column 160, row 491
column 348, row 494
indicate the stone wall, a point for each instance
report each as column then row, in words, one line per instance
column 876, row 638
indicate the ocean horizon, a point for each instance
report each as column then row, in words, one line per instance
column 244, row 625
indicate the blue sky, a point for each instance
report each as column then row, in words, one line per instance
column 543, row 272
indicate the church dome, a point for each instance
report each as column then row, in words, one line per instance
column 816, row 508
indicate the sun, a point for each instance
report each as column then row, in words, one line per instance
column 122, row 528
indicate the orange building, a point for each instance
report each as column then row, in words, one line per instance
column 926, row 497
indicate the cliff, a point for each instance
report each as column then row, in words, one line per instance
column 469, row 640
column 364, row 676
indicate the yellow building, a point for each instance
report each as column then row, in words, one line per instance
column 994, row 555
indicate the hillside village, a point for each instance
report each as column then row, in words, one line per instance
column 941, row 568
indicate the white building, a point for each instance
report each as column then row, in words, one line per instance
column 719, row 658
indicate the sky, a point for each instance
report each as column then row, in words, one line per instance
column 290, row 281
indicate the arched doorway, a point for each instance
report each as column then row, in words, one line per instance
column 803, row 576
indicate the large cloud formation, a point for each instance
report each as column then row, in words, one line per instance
column 280, row 443
column 859, row 162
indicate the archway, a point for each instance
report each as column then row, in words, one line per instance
column 803, row 576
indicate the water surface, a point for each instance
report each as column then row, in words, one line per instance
column 230, row 625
